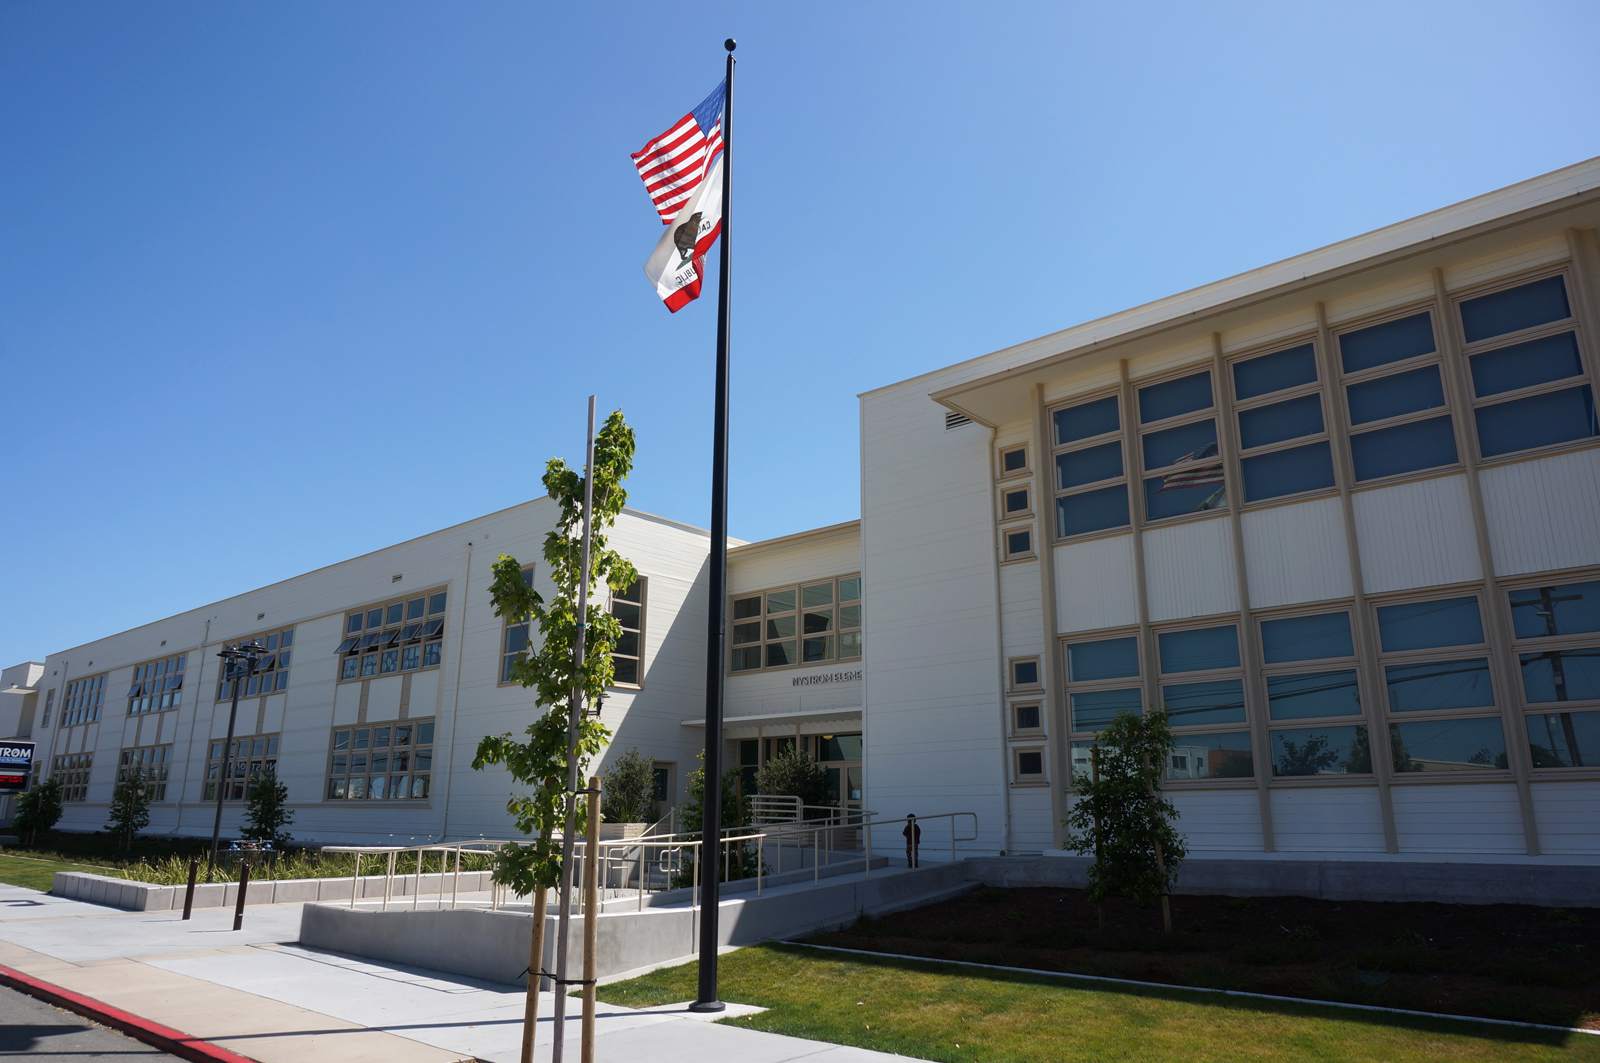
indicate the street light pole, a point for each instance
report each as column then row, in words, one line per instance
column 240, row 664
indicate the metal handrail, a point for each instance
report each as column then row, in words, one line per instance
column 952, row 817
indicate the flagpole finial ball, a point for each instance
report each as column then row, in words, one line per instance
column 730, row 44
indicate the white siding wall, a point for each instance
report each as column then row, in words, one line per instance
column 1295, row 554
column 1480, row 818
column 1417, row 535
column 1333, row 819
column 1190, row 571
column 1544, row 514
column 1020, row 602
column 1568, row 814
column 1218, row 819
column 1095, row 584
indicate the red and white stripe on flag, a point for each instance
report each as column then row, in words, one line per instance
column 677, row 265
column 674, row 163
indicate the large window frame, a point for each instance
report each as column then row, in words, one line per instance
column 271, row 675
column 1552, row 720
column 84, row 698
column 354, row 751
column 157, row 685
column 1308, row 393
column 252, row 757
column 1085, row 452
column 1195, row 470
column 627, row 657
column 394, row 636
column 154, row 761
column 1363, row 381
column 72, row 771
column 776, row 628
column 515, row 637
column 1583, row 379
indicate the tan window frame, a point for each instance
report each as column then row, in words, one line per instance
column 1194, row 466
column 515, row 639
column 392, row 637
column 1017, row 543
column 156, row 762
column 769, row 629
column 1026, row 467
column 1238, row 406
column 157, row 685
column 272, row 672
column 1058, row 450
column 635, row 609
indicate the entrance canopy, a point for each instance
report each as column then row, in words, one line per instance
column 777, row 724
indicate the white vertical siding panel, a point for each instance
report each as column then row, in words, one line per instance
column 1568, row 815
column 1095, row 584
column 1544, row 514
column 1031, row 826
column 1212, row 820
column 1334, row 819
column 1297, row 553
column 1462, row 818
column 1189, row 570
column 383, row 699
column 1020, row 601
column 1417, row 535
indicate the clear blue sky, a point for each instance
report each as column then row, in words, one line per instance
column 284, row 283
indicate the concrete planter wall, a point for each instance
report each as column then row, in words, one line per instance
column 147, row 897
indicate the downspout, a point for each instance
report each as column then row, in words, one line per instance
column 455, row 700
column 999, row 644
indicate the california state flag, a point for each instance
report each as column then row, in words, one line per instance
column 677, row 265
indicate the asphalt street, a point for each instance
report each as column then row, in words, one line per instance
column 32, row 1028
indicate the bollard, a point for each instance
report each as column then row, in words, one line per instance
column 188, row 896
column 244, row 884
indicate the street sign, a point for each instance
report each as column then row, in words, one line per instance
column 16, row 762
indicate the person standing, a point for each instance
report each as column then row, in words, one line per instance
column 913, row 835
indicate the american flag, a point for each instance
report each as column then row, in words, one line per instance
column 1210, row 474
column 673, row 164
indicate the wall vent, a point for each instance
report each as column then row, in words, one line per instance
column 396, row 577
column 261, row 616
column 955, row 420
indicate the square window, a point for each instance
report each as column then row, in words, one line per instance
column 391, row 661
column 744, row 608
column 1026, row 717
column 353, row 623
column 780, row 601
column 436, row 602
column 1030, row 763
column 1014, row 460
column 1016, row 502
column 1019, row 543
column 850, row 589
column 781, row 653
column 411, row 658
column 375, row 618
column 414, row 608
column 1025, row 673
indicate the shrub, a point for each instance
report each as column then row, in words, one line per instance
column 38, row 810
column 628, row 795
column 792, row 771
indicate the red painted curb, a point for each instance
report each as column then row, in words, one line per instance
column 151, row 1033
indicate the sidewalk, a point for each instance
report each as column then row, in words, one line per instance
column 255, row 992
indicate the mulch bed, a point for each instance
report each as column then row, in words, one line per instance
column 1501, row 961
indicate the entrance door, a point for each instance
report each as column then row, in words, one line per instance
column 841, row 759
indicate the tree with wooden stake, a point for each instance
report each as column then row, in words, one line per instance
column 1120, row 819
column 568, row 666
column 130, row 806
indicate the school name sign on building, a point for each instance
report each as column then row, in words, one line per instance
column 827, row 677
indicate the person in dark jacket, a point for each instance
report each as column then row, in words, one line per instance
column 913, row 835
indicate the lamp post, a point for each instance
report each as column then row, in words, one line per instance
column 239, row 664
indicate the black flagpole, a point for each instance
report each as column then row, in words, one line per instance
column 716, row 623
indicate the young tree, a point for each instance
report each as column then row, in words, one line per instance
column 38, row 809
column 540, row 761
column 130, row 806
column 267, row 812
column 741, row 862
column 792, row 771
column 1119, row 817
column 629, row 789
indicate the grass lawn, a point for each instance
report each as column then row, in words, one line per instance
column 39, row 874
column 936, row 1011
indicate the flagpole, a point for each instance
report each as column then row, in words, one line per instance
column 716, row 622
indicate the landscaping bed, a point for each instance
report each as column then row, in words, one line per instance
column 1499, row 961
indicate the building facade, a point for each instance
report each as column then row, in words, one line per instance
column 1339, row 516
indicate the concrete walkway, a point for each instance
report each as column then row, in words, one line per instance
column 256, row 992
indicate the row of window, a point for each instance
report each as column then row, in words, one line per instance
column 399, row 636
column 807, row 623
column 272, row 671
column 1528, row 384
column 249, row 758
column 1433, row 658
column 381, row 762
column 71, row 770
column 153, row 763
column 82, row 701
column 157, row 685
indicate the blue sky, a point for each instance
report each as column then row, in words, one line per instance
column 284, row 283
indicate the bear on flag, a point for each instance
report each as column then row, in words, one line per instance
column 682, row 172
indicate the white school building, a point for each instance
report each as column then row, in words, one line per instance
column 1339, row 515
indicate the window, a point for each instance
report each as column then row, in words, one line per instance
column 1025, row 673
column 1016, row 502
column 1207, row 659
column 381, row 762
column 157, row 685
column 1528, row 382
column 1026, row 717
column 1030, row 765
column 1014, row 461
column 72, row 772
column 1399, row 417
column 154, row 762
column 1102, row 680
column 1091, row 487
column 514, row 638
column 1283, row 441
column 49, row 703
column 1436, row 663
column 809, row 623
column 1309, row 663
column 628, row 656
column 402, row 635
column 83, row 700
column 1017, row 542
column 272, row 672
column 1178, row 445
column 1321, row 751
column 250, row 757
column 1557, row 631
